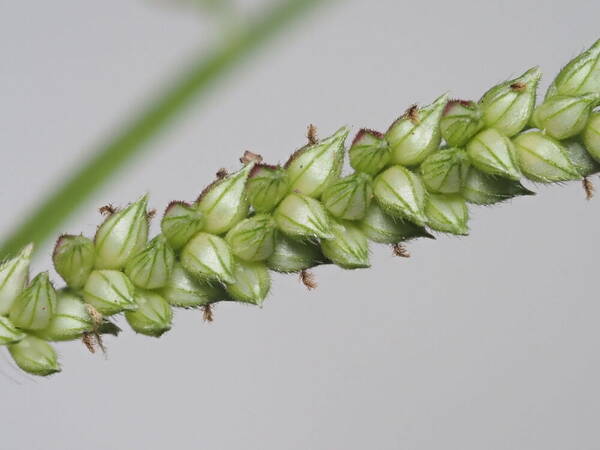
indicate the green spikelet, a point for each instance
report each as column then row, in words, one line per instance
column 151, row 268
column 507, row 107
column 493, row 153
column 445, row 171
column 14, row 275
column 35, row 356
column 34, row 308
column 291, row 255
column 153, row 315
column 224, row 203
column 180, row 223
column 349, row 248
column 307, row 213
column 184, row 291
column 9, row 334
column 564, row 116
column 447, row 213
column 483, row 189
column 370, row 153
column 348, row 198
column 401, row 193
column 460, row 122
column 314, row 167
column 109, row 291
column 416, row 134
column 266, row 187
column 70, row 320
column 74, row 258
column 251, row 282
column 543, row 158
column 591, row 136
column 580, row 76
column 380, row 227
column 122, row 235
column 302, row 217
column 208, row 258
column 253, row 239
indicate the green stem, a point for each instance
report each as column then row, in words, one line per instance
column 191, row 84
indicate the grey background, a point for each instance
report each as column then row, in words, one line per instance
column 486, row 342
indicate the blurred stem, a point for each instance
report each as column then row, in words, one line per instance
column 194, row 82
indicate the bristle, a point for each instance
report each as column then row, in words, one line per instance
column 518, row 86
column 362, row 132
column 400, row 250
column 176, row 203
column 311, row 134
column 451, row 103
column 107, row 210
column 89, row 342
column 308, row 279
column 249, row 157
column 412, row 114
column 588, row 187
column 207, row 313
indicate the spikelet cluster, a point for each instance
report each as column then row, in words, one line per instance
column 415, row 178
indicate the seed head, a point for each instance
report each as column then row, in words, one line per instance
column 184, row 291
